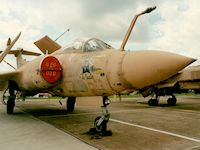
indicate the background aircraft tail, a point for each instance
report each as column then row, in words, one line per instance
column 18, row 54
column 10, row 44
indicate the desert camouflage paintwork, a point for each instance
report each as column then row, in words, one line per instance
column 105, row 72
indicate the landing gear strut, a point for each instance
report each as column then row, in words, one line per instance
column 71, row 103
column 100, row 123
column 11, row 99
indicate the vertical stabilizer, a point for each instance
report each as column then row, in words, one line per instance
column 10, row 44
column 19, row 59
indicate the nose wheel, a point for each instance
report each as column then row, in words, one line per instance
column 100, row 123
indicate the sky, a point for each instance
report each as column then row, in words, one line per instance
column 173, row 26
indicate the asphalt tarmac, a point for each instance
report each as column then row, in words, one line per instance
column 134, row 124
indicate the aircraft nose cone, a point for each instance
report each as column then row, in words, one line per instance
column 144, row 68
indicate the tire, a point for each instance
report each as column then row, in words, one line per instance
column 153, row 102
column 171, row 101
column 102, row 128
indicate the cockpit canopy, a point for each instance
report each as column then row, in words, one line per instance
column 87, row 45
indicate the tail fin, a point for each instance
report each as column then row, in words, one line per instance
column 9, row 46
column 18, row 54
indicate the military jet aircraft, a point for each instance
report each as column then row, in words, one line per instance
column 182, row 82
column 89, row 67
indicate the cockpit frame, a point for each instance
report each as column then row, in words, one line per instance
column 87, row 45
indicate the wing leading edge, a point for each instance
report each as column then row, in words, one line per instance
column 5, row 77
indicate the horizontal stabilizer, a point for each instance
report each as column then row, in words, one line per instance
column 24, row 52
column 47, row 45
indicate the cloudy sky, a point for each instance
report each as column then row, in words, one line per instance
column 173, row 26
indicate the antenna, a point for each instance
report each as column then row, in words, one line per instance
column 9, row 64
column 148, row 10
column 62, row 34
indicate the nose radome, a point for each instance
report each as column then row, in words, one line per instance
column 144, row 68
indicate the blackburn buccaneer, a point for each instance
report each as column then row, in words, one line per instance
column 88, row 67
column 184, row 81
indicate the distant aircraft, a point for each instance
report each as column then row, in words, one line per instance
column 182, row 82
column 88, row 67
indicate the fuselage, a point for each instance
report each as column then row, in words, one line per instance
column 104, row 72
column 83, row 74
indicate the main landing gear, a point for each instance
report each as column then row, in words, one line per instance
column 172, row 101
column 100, row 123
column 11, row 99
column 71, row 103
column 155, row 99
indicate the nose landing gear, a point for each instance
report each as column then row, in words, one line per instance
column 100, row 123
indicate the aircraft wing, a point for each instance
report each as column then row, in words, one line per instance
column 4, row 77
column 30, row 53
column 182, row 80
column 190, row 74
column 169, row 82
column 24, row 52
column 186, row 79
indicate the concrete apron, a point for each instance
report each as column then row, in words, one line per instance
column 25, row 132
